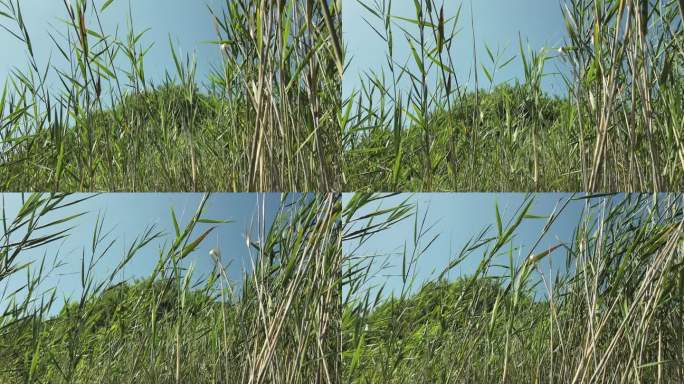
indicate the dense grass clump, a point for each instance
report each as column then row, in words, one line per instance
column 415, row 125
column 280, row 323
column 91, row 118
column 614, row 313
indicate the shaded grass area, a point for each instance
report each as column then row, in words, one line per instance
column 613, row 313
column 91, row 118
column 415, row 125
column 279, row 323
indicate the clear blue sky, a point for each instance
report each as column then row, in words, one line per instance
column 188, row 22
column 127, row 216
column 457, row 218
column 497, row 24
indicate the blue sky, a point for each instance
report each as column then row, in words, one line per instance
column 187, row 22
column 457, row 218
column 128, row 215
column 497, row 23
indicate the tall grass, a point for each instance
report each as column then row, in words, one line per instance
column 279, row 324
column 264, row 119
column 417, row 125
column 611, row 314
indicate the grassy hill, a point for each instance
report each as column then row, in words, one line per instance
column 127, row 331
column 501, row 159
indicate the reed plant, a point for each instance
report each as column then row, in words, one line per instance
column 606, row 306
column 91, row 118
column 415, row 124
column 279, row 323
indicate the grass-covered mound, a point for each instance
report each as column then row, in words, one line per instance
column 164, row 139
column 127, row 331
column 439, row 335
column 500, row 160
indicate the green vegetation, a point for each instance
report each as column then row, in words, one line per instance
column 417, row 126
column 613, row 314
column 279, row 324
column 265, row 119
